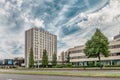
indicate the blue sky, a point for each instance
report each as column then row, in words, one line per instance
column 73, row 21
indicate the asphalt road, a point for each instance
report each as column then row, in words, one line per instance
column 90, row 71
column 45, row 77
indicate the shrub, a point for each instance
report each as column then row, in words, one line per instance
column 58, row 66
column 68, row 65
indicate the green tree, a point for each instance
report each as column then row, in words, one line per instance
column 45, row 59
column 68, row 58
column 31, row 58
column 54, row 59
column 62, row 57
column 97, row 46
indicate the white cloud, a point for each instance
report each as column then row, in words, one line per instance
column 3, row 12
column 33, row 23
column 2, row 1
column 106, row 18
column 11, row 38
column 19, row 3
column 38, row 23
column 29, row 22
column 76, row 39
column 9, row 43
column 13, row 23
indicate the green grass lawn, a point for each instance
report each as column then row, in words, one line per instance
column 62, row 73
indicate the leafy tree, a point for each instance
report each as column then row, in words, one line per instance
column 31, row 58
column 45, row 59
column 97, row 46
column 62, row 56
column 54, row 59
column 68, row 58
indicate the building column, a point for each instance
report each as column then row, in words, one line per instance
column 111, row 62
column 95, row 63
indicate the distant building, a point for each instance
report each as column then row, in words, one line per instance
column 39, row 39
column 12, row 63
column 6, row 62
column 78, row 58
column 19, row 61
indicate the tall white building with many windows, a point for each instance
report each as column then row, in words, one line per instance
column 39, row 39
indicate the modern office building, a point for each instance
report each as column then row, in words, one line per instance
column 78, row 58
column 39, row 39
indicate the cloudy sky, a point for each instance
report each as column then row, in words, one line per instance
column 73, row 21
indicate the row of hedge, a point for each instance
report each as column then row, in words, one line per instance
column 63, row 66
column 69, row 65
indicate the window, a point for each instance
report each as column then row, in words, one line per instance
column 115, row 54
column 114, row 46
column 78, row 57
column 76, row 51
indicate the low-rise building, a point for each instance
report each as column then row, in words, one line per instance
column 78, row 57
column 12, row 63
column 19, row 61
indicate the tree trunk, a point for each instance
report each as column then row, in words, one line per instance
column 100, row 61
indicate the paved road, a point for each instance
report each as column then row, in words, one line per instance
column 111, row 72
column 45, row 77
column 90, row 71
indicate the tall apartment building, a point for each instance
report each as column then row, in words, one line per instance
column 78, row 58
column 39, row 39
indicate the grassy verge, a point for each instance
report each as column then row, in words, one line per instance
column 78, row 74
column 92, row 68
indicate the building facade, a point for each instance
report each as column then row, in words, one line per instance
column 12, row 63
column 39, row 39
column 78, row 58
